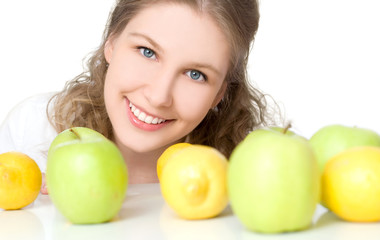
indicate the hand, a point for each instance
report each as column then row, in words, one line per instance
column 43, row 185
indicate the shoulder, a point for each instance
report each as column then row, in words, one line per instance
column 27, row 128
column 29, row 108
column 33, row 102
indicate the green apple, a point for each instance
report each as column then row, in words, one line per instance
column 333, row 139
column 86, row 176
column 285, row 130
column 273, row 182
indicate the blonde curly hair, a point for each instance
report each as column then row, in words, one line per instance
column 242, row 109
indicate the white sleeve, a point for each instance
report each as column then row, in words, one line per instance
column 27, row 129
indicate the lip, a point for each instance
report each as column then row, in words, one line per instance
column 142, row 125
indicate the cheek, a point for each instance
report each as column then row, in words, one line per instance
column 126, row 73
column 193, row 105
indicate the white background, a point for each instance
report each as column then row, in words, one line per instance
column 319, row 59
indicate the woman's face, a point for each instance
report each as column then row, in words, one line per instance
column 166, row 70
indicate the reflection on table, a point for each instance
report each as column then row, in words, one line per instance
column 145, row 215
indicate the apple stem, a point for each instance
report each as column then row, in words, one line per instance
column 288, row 126
column 75, row 133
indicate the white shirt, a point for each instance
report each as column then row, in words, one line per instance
column 27, row 129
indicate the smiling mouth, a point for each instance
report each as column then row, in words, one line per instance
column 144, row 117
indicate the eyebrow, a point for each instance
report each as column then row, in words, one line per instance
column 207, row 66
column 150, row 40
column 159, row 48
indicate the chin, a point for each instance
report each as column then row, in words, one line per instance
column 143, row 147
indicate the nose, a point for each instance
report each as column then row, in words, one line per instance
column 159, row 89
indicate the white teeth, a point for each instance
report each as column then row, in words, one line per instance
column 137, row 112
column 149, row 119
column 144, row 117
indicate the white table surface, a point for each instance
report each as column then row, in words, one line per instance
column 145, row 215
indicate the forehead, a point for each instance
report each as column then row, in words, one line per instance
column 179, row 28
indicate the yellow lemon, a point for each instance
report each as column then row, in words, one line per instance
column 167, row 154
column 351, row 184
column 20, row 180
column 193, row 182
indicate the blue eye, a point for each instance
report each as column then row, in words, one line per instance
column 196, row 75
column 149, row 53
